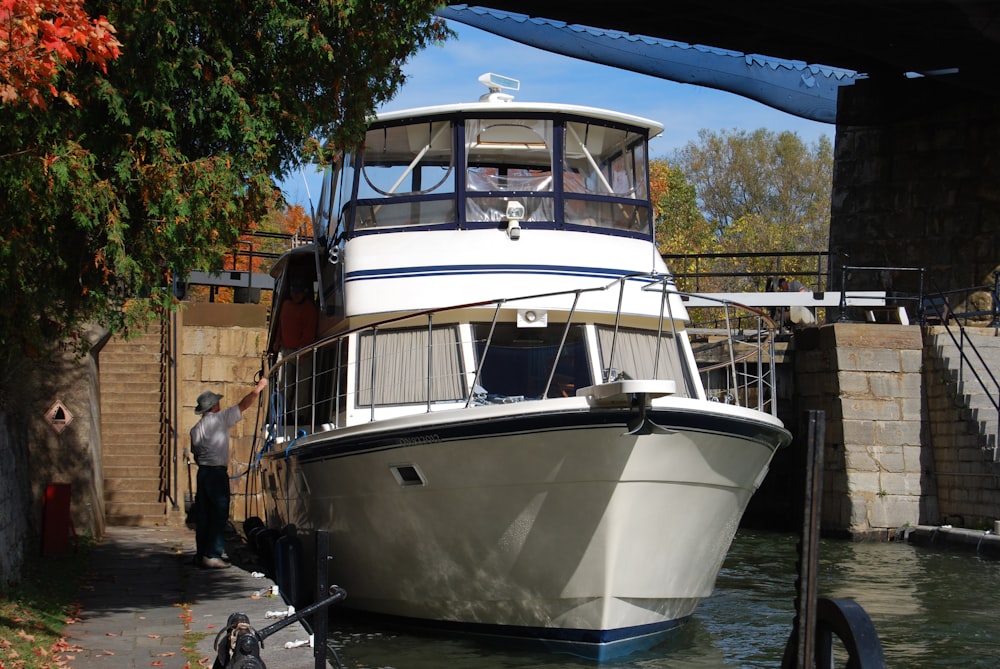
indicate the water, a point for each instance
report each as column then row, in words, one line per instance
column 931, row 608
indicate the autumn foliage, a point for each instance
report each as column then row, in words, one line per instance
column 39, row 37
column 157, row 153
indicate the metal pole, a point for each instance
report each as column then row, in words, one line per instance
column 996, row 298
column 321, row 619
column 800, row 651
column 921, row 312
column 810, row 537
column 843, row 294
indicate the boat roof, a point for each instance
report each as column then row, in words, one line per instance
column 654, row 128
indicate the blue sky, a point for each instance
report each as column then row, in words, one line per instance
column 448, row 73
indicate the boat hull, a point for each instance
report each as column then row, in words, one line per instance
column 554, row 524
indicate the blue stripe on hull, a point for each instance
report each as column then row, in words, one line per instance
column 479, row 269
column 600, row 645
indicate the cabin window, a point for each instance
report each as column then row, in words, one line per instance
column 405, row 369
column 636, row 357
column 604, row 176
column 518, row 362
column 407, row 176
column 505, row 157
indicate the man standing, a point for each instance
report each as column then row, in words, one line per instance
column 210, row 445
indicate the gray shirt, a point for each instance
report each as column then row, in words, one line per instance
column 210, row 437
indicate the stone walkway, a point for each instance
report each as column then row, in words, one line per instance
column 148, row 605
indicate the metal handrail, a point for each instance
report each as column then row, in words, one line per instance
column 820, row 274
column 762, row 334
column 966, row 360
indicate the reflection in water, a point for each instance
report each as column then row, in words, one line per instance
column 931, row 609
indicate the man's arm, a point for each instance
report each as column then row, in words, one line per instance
column 251, row 397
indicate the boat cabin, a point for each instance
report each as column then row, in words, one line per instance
column 487, row 252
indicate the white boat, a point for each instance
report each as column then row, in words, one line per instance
column 502, row 425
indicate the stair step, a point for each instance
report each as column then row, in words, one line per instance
column 113, row 385
column 135, row 412
column 136, row 484
column 121, row 442
column 133, row 496
column 135, row 509
column 133, row 460
column 123, row 425
column 124, row 473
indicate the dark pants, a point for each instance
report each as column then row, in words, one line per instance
column 211, row 505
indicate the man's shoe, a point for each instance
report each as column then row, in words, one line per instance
column 213, row 563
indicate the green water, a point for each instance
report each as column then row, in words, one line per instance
column 931, row 608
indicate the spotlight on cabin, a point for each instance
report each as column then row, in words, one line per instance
column 515, row 212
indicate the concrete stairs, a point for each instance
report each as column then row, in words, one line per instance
column 133, row 431
column 976, row 398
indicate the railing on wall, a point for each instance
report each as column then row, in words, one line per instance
column 169, row 408
column 968, row 353
column 706, row 272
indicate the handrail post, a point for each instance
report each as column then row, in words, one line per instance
column 921, row 311
column 430, row 357
column 995, row 307
column 842, row 318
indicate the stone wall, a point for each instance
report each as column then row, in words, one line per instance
column 37, row 451
column 916, row 184
column 220, row 350
column 867, row 379
column 14, row 514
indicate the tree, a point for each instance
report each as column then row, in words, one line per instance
column 680, row 226
column 176, row 148
column 772, row 177
column 761, row 193
column 37, row 37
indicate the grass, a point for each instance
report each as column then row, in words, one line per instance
column 34, row 612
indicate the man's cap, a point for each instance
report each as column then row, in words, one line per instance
column 206, row 401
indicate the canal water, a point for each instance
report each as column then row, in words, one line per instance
column 931, row 608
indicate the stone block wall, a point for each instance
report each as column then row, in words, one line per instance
column 867, row 379
column 35, row 452
column 916, row 184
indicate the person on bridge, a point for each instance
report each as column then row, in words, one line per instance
column 797, row 314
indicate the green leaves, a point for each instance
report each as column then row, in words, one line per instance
column 178, row 146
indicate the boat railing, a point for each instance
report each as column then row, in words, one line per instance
column 736, row 359
column 310, row 386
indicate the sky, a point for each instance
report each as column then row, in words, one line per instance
column 449, row 72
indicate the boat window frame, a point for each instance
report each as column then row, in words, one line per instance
column 461, row 194
column 672, row 356
column 363, row 371
column 577, row 335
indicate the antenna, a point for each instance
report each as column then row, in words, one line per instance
column 496, row 83
column 312, row 209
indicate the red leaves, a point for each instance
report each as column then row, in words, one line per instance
column 39, row 37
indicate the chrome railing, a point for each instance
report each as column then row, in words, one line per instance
column 308, row 386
